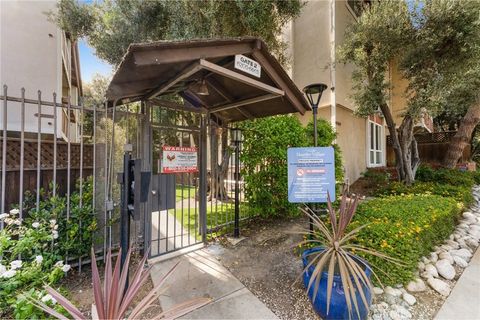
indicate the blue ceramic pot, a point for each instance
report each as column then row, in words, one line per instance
column 338, row 304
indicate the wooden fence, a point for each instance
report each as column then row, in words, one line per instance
column 431, row 148
column 47, row 159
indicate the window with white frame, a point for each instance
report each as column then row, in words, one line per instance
column 375, row 144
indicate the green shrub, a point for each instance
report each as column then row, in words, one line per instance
column 404, row 227
column 461, row 194
column 325, row 138
column 452, row 177
column 264, row 160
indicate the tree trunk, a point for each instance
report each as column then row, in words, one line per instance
column 404, row 146
column 409, row 150
column 394, row 138
column 219, row 171
column 463, row 136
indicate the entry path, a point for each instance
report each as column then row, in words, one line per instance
column 200, row 274
column 464, row 301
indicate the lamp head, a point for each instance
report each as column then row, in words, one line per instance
column 200, row 88
column 314, row 93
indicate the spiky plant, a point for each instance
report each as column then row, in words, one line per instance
column 338, row 254
column 112, row 301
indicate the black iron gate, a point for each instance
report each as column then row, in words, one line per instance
column 177, row 193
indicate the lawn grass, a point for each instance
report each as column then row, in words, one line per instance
column 182, row 192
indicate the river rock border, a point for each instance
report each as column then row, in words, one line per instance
column 436, row 275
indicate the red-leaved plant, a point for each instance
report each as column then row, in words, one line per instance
column 338, row 255
column 111, row 302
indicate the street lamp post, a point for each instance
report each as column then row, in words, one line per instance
column 314, row 94
column 237, row 139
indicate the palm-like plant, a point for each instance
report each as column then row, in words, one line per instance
column 113, row 301
column 337, row 256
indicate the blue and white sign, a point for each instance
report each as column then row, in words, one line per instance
column 311, row 174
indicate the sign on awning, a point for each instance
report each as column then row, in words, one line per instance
column 311, row 174
column 179, row 159
column 248, row 65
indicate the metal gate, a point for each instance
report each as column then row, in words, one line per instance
column 177, row 195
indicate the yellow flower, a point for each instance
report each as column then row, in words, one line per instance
column 384, row 244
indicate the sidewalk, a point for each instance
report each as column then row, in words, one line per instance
column 464, row 301
column 201, row 275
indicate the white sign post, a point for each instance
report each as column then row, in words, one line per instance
column 248, row 65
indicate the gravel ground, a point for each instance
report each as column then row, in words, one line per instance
column 266, row 264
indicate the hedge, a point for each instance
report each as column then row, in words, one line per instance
column 404, row 227
column 461, row 193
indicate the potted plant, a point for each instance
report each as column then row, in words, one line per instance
column 338, row 282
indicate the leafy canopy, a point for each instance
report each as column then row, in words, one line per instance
column 436, row 46
column 111, row 26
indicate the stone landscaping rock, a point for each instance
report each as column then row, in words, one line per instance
column 431, row 270
column 446, row 256
column 433, row 257
column 471, row 243
column 452, row 244
column 445, row 269
column 440, row 286
column 408, row 298
column 416, row 286
column 392, row 291
column 460, row 262
column 468, row 216
column 403, row 312
column 394, row 315
column 421, row 266
column 425, row 260
column 462, row 253
column 391, row 300
column 377, row 291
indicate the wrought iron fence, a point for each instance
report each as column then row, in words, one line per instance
column 51, row 147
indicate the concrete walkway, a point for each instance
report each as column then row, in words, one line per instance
column 201, row 275
column 168, row 232
column 464, row 301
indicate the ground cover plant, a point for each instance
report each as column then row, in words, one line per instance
column 405, row 227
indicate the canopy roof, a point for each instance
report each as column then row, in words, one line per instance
column 152, row 70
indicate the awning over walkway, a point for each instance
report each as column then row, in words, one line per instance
column 152, row 70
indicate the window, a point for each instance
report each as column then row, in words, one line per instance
column 375, row 144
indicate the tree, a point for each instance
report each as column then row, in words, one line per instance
column 436, row 47
column 446, row 64
column 383, row 33
column 111, row 26
column 93, row 95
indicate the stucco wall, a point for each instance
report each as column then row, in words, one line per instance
column 30, row 57
column 351, row 137
column 343, row 74
column 311, row 43
column 398, row 99
column 311, row 47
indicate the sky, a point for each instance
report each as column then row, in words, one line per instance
column 90, row 63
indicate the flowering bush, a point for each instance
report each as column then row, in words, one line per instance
column 405, row 227
column 33, row 249
column 28, row 258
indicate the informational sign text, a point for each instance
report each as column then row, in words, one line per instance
column 248, row 65
column 311, row 174
column 179, row 159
